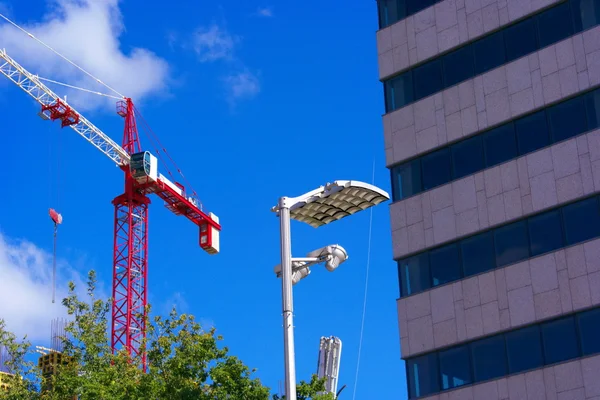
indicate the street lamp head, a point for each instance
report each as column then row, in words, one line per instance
column 334, row 201
column 299, row 271
column 334, row 255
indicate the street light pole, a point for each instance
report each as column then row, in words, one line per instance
column 318, row 207
column 286, row 299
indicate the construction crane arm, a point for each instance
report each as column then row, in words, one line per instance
column 55, row 108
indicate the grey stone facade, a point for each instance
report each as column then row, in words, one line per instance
column 534, row 290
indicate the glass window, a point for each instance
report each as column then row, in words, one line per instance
column 589, row 329
column 489, row 358
column 398, row 91
column 520, row 39
column 414, row 6
column 414, row 274
column 478, row 254
column 524, row 349
column 586, row 14
column 545, row 232
column 445, row 264
column 554, row 24
column 406, row 179
column 560, row 340
column 532, row 132
column 581, row 220
column 428, row 79
column 511, row 243
column 467, row 157
column 436, row 168
column 500, row 145
column 455, row 367
column 489, row 53
column 567, row 119
column 388, row 12
column 422, row 375
column 592, row 105
column 458, row 66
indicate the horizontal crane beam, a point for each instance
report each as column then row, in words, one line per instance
column 46, row 97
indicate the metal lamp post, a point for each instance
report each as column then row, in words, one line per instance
column 319, row 207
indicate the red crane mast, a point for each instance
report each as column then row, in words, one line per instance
column 130, row 254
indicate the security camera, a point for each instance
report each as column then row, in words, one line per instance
column 334, row 255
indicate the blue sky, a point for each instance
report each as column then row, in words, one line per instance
column 253, row 100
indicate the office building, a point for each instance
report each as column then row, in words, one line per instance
column 492, row 138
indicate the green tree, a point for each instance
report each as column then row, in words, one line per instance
column 310, row 390
column 184, row 362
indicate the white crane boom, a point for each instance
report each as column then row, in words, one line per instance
column 42, row 94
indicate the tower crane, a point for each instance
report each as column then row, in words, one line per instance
column 130, row 257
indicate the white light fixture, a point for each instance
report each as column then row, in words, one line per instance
column 332, row 256
column 334, row 201
column 319, row 207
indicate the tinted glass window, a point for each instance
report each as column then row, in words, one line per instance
column 560, row 340
column 414, row 274
column 458, row 66
column 589, row 329
column 532, row 132
column 489, row 53
column 545, row 233
column 436, row 168
column 520, row 40
column 524, row 349
column 467, row 157
column 399, row 91
column 581, row 220
column 592, row 105
column 586, row 14
column 455, row 367
column 428, row 79
column 414, row 6
column 500, row 145
column 388, row 12
column 511, row 243
column 445, row 264
column 478, row 254
column 422, row 375
column 406, row 179
column 489, row 358
column 567, row 119
column 554, row 24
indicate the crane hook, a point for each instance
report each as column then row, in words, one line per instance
column 57, row 219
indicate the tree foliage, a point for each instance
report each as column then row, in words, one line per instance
column 184, row 362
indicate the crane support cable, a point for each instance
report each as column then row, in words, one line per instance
column 164, row 150
column 61, row 56
column 79, row 88
column 364, row 311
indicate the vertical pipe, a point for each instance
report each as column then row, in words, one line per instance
column 287, row 301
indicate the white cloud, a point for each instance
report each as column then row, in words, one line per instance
column 176, row 300
column 241, row 85
column 87, row 32
column 214, row 43
column 26, row 288
column 264, row 12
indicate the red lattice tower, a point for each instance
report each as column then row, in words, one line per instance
column 130, row 260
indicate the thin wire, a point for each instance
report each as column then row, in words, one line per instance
column 364, row 311
column 60, row 55
column 54, row 266
column 164, row 150
column 79, row 88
